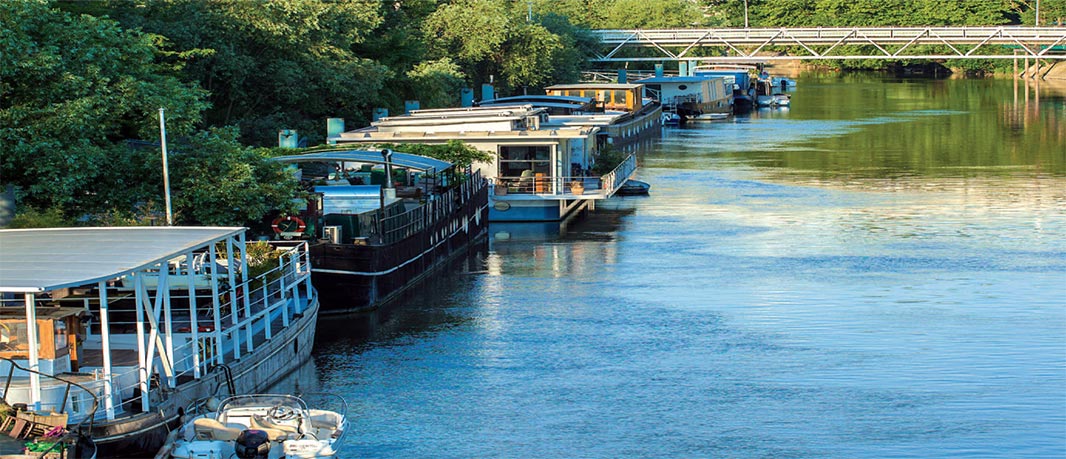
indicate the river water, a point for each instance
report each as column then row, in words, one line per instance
column 879, row 271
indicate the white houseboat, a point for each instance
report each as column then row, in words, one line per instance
column 539, row 171
column 149, row 347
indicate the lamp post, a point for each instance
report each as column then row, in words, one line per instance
column 166, row 172
column 745, row 14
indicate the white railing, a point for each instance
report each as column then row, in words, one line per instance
column 253, row 305
column 565, row 186
column 829, row 43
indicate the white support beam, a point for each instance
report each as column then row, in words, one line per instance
column 235, row 335
column 105, row 349
column 138, row 287
column 194, row 326
column 34, row 359
column 216, row 307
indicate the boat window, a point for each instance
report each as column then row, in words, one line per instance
column 524, row 161
column 13, row 337
column 683, row 87
column 620, row 98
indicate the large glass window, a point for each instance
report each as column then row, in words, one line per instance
column 522, row 166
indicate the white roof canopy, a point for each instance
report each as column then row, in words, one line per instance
column 37, row 260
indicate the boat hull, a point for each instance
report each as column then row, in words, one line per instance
column 142, row 434
column 358, row 278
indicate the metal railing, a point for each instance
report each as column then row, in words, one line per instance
column 604, row 185
column 389, row 229
column 255, row 308
column 828, row 43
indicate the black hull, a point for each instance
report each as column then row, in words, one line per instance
column 142, row 435
column 359, row 278
column 133, row 437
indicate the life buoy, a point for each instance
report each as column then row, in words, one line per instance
column 283, row 232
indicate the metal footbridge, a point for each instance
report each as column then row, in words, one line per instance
column 831, row 43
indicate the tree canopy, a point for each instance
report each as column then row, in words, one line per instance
column 71, row 88
column 82, row 81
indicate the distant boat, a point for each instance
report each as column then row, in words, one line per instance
column 634, row 188
column 691, row 97
column 783, row 83
column 775, row 100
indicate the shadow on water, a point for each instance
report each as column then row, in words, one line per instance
column 414, row 312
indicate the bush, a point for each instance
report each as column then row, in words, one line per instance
column 33, row 218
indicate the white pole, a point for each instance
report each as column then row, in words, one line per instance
column 194, row 326
column 32, row 335
column 166, row 171
column 1038, row 13
column 138, row 286
column 745, row 14
column 105, row 345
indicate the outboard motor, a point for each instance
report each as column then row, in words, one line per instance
column 252, row 444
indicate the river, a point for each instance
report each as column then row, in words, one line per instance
column 878, row 271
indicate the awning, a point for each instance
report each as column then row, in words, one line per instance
column 38, row 260
column 407, row 160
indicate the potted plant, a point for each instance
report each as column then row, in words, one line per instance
column 577, row 187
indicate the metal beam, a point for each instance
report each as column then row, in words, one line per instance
column 825, row 43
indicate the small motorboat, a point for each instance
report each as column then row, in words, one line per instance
column 633, row 188
column 258, row 427
column 671, row 119
column 775, row 100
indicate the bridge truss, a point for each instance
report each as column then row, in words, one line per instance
column 894, row 43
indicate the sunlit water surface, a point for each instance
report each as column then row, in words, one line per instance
column 878, row 272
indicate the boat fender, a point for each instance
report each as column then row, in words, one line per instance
column 300, row 226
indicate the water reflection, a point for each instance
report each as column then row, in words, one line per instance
column 891, row 130
column 861, row 278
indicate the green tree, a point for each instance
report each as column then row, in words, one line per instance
column 437, row 83
column 71, row 87
column 652, row 14
column 270, row 65
column 218, row 181
column 499, row 40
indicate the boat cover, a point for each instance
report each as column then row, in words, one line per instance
column 42, row 259
column 422, row 163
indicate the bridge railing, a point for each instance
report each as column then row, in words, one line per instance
column 825, row 42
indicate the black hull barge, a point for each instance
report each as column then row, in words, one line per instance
column 371, row 240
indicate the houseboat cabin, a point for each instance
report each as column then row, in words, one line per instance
column 691, row 97
column 536, row 163
column 611, row 96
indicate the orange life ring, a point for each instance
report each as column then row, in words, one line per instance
column 300, row 225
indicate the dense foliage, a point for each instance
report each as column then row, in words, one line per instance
column 81, row 78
